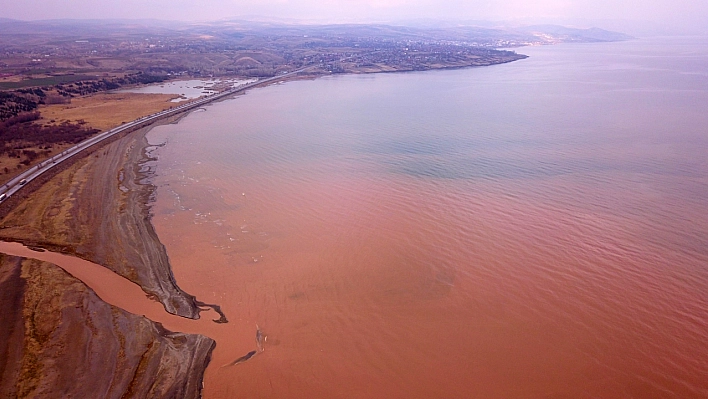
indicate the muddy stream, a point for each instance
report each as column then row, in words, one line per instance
column 236, row 339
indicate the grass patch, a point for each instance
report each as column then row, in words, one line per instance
column 107, row 110
column 48, row 81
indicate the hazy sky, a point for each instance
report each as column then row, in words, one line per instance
column 666, row 12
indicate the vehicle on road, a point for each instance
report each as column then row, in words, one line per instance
column 2, row 197
column 23, row 181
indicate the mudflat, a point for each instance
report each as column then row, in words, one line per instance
column 96, row 208
column 59, row 339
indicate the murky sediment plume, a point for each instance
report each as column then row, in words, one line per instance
column 529, row 230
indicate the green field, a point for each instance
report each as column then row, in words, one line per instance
column 49, row 81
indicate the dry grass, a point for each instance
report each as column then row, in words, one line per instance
column 102, row 111
column 47, row 214
column 107, row 110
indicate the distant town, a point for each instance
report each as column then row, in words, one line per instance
column 40, row 54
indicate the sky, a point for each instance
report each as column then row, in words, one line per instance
column 667, row 13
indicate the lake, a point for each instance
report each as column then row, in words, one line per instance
column 537, row 229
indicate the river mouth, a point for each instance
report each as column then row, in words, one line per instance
column 237, row 338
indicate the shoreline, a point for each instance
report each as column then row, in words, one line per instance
column 98, row 208
column 50, row 113
column 104, row 223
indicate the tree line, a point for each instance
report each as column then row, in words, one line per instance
column 13, row 103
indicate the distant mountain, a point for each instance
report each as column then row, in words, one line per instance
column 442, row 31
column 17, row 32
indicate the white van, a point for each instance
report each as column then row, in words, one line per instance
column 2, row 197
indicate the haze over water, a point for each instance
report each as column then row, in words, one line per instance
column 531, row 230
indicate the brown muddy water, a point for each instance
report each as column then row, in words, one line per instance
column 109, row 286
column 530, row 230
column 123, row 293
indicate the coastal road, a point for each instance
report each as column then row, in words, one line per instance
column 19, row 181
